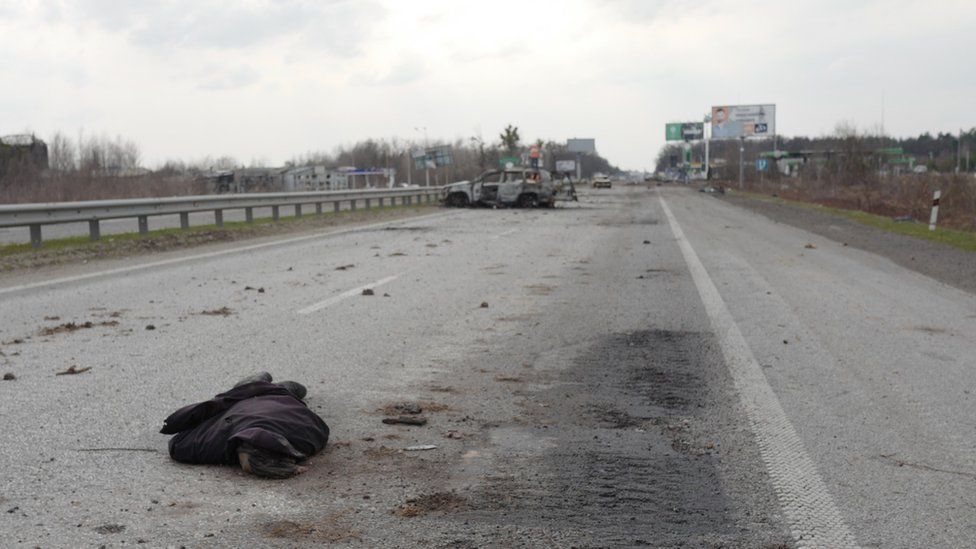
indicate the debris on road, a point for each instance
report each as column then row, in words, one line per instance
column 52, row 318
column 9, row 376
column 405, row 420
column 420, row 448
column 72, row 371
column 421, row 505
column 647, row 242
column 344, row 267
column 484, row 304
column 110, row 529
column 410, row 408
column 368, row 291
column 69, row 327
column 810, row 246
column 252, row 288
column 453, row 434
column 512, row 379
column 223, row 311
column 150, row 326
column 397, row 254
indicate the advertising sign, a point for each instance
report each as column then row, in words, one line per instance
column 735, row 121
column 684, row 131
column 436, row 157
column 581, row 145
column 566, row 166
column 509, row 161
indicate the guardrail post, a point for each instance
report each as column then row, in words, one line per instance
column 249, row 215
column 219, row 218
column 430, row 198
column 298, row 211
column 367, row 203
column 335, row 206
column 408, row 200
column 35, row 232
column 393, row 201
column 94, row 233
column 143, row 225
column 352, row 205
column 184, row 220
column 381, row 202
column 275, row 214
column 318, row 208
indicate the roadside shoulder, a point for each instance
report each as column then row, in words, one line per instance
column 944, row 263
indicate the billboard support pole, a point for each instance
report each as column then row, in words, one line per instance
column 742, row 150
column 579, row 168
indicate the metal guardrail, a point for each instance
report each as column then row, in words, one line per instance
column 37, row 215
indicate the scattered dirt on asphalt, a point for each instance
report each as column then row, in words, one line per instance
column 9, row 376
column 405, row 420
column 344, row 267
column 329, row 529
column 69, row 327
column 441, row 502
column 110, row 529
column 223, row 311
column 508, row 379
column 539, row 289
column 368, row 291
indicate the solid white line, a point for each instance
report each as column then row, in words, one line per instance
column 208, row 255
column 349, row 293
column 810, row 510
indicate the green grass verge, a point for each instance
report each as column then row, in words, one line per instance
column 964, row 240
column 284, row 222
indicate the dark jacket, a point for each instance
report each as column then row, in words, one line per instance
column 264, row 415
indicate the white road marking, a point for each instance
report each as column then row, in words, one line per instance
column 208, row 255
column 810, row 510
column 506, row 233
column 349, row 293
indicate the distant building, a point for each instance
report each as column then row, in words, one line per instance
column 258, row 179
column 314, row 178
column 25, row 151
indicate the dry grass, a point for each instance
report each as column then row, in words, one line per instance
column 78, row 187
column 889, row 196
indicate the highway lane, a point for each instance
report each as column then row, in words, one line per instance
column 589, row 403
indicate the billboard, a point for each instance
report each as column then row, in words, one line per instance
column 735, row 121
column 581, row 145
column 566, row 166
column 435, row 157
column 684, row 131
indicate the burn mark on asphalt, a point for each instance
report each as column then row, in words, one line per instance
column 626, row 459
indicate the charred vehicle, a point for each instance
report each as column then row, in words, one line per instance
column 523, row 188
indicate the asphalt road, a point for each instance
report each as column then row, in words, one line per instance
column 652, row 367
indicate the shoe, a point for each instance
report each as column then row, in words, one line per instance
column 295, row 388
column 261, row 376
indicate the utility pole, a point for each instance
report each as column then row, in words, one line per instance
column 706, row 134
column 959, row 153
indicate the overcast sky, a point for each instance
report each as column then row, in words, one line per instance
column 266, row 80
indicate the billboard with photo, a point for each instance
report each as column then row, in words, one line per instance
column 735, row 121
column 566, row 166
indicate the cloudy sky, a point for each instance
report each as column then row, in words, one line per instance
column 266, row 80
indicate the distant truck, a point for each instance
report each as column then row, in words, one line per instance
column 512, row 187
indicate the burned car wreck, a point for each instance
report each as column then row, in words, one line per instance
column 512, row 187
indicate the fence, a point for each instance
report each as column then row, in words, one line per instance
column 35, row 216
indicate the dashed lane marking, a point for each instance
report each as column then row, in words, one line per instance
column 349, row 293
column 813, row 517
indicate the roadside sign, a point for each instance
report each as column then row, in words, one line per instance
column 762, row 164
column 509, row 161
column 566, row 166
column 684, row 131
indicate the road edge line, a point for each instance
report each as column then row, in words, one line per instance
column 813, row 517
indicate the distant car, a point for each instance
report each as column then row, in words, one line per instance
column 601, row 182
